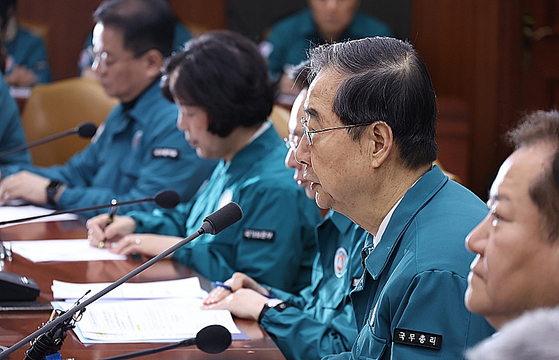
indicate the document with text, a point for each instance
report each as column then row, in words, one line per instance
column 162, row 320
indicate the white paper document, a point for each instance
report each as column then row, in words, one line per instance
column 163, row 320
column 62, row 250
column 188, row 288
column 8, row 213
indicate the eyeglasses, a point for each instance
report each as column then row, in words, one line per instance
column 310, row 133
column 100, row 59
column 291, row 143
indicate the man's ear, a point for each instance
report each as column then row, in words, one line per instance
column 380, row 142
column 153, row 61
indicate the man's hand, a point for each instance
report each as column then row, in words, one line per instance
column 24, row 185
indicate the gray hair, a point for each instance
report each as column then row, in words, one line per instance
column 532, row 336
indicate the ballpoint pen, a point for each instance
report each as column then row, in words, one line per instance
column 111, row 218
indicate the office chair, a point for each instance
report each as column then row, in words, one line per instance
column 59, row 106
column 280, row 118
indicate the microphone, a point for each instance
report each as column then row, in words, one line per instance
column 167, row 199
column 212, row 339
column 222, row 218
column 84, row 130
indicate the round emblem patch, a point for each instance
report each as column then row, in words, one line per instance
column 340, row 262
column 225, row 198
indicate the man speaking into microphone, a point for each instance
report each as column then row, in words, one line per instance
column 138, row 151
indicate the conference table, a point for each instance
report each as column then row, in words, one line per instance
column 14, row 326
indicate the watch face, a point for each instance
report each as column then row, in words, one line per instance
column 273, row 302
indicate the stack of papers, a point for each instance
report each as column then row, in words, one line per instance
column 183, row 288
column 164, row 311
column 8, row 213
column 62, row 250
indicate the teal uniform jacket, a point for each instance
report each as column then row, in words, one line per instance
column 136, row 153
column 182, row 35
column 273, row 242
column 11, row 131
column 321, row 321
column 409, row 303
column 292, row 37
column 29, row 50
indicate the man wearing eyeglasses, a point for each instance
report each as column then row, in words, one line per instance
column 368, row 149
column 138, row 151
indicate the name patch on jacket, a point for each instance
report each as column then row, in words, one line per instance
column 165, row 153
column 263, row 235
column 417, row 338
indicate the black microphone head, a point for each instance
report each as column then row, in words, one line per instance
column 86, row 130
column 213, row 339
column 167, row 199
column 222, row 218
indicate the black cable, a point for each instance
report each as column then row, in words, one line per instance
column 187, row 342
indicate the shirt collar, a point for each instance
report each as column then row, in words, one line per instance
column 386, row 220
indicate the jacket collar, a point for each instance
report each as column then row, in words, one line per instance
column 412, row 202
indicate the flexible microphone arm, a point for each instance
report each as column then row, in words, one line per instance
column 234, row 214
column 85, row 130
column 166, row 199
column 212, row 339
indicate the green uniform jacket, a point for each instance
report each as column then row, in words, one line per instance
column 28, row 50
column 291, row 37
column 273, row 243
column 409, row 303
column 136, row 153
column 321, row 321
column 11, row 131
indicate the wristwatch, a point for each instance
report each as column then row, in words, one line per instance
column 52, row 189
column 275, row 303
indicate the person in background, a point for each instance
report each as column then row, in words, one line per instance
column 517, row 244
column 368, row 150
column 27, row 61
column 319, row 320
column 221, row 85
column 11, row 130
column 323, row 22
column 181, row 36
column 138, row 151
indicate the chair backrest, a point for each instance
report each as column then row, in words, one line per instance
column 59, row 106
column 280, row 118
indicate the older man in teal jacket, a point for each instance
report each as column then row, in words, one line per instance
column 138, row 151
column 368, row 150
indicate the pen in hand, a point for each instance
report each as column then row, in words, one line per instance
column 111, row 218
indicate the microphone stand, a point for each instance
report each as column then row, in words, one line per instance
column 63, row 322
column 59, row 212
column 38, row 142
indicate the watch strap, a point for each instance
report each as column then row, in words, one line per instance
column 275, row 304
column 52, row 189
